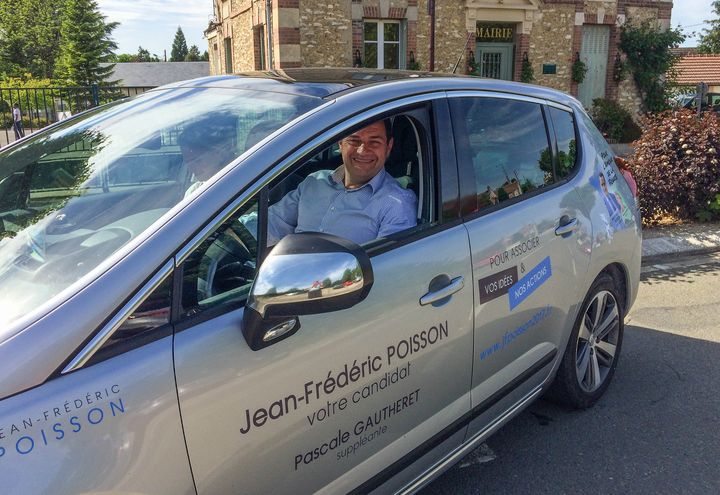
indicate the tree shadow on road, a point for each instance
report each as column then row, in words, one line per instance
column 682, row 274
column 654, row 431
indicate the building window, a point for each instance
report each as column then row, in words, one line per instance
column 228, row 56
column 259, row 42
column 261, row 46
column 384, row 44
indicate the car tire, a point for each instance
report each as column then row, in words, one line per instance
column 592, row 353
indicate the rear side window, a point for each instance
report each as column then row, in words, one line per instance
column 566, row 142
column 507, row 144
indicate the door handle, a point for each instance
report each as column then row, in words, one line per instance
column 568, row 226
column 436, row 295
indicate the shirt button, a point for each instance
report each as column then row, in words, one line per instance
column 332, row 208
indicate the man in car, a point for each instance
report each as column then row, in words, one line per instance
column 207, row 145
column 359, row 200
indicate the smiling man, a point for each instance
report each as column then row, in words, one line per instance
column 359, row 200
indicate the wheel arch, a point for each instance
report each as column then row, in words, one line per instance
column 621, row 277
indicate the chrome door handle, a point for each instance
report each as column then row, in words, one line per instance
column 455, row 285
column 567, row 228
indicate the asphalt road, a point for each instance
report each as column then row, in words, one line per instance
column 656, row 430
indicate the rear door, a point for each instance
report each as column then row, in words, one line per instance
column 345, row 402
column 529, row 240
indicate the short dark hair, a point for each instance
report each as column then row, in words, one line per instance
column 208, row 132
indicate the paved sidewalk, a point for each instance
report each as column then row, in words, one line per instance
column 673, row 241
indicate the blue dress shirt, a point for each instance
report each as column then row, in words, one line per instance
column 321, row 203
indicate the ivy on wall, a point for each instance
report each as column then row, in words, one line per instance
column 648, row 57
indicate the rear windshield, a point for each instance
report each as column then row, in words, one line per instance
column 73, row 195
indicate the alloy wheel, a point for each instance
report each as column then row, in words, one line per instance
column 597, row 341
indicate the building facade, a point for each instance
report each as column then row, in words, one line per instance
column 497, row 35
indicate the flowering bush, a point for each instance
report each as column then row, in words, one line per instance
column 677, row 166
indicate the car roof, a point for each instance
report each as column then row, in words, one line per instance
column 329, row 83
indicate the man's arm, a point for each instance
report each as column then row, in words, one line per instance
column 401, row 215
column 283, row 216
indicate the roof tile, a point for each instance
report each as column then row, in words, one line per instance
column 693, row 69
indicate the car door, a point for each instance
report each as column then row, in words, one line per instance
column 99, row 425
column 346, row 402
column 529, row 238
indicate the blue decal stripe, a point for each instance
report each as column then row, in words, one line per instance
column 529, row 283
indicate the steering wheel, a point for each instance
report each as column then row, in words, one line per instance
column 229, row 262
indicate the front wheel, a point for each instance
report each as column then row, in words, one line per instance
column 593, row 350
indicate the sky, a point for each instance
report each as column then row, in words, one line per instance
column 690, row 15
column 152, row 23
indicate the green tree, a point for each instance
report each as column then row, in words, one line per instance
column 123, row 58
column 193, row 54
column 647, row 47
column 29, row 37
column 205, row 56
column 710, row 39
column 179, row 47
column 86, row 43
column 144, row 55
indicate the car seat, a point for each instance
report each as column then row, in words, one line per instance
column 403, row 163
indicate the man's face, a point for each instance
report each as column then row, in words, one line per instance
column 203, row 163
column 364, row 153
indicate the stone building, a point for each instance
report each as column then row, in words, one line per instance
column 390, row 34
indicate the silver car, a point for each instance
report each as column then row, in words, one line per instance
column 154, row 340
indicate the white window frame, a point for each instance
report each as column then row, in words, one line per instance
column 381, row 41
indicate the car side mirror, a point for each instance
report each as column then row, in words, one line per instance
column 307, row 273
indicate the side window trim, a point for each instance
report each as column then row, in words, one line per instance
column 495, row 94
column 552, row 140
column 578, row 141
column 96, row 343
column 449, row 187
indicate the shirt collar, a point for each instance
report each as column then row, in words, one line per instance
column 338, row 177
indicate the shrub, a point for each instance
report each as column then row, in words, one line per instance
column 676, row 166
column 614, row 121
column 6, row 122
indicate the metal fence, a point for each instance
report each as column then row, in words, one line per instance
column 43, row 106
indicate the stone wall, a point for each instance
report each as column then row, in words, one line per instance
column 242, row 42
column 310, row 33
column 628, row 95
column 639, row 14
column 326, row 33
column 600, row 10
column 450, row 35
column 551, row 42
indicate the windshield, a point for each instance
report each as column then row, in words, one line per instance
column 73, row 195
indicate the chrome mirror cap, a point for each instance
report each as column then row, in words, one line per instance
column 289, row 279
column 306, row 273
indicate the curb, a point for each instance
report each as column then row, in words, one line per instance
column 659, row 258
